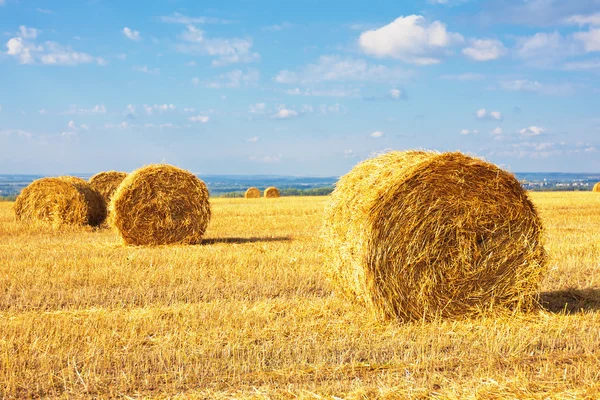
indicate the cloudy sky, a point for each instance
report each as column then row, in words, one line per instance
column 306, row 87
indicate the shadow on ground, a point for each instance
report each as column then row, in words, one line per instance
column 245, row 240
column 571, row 301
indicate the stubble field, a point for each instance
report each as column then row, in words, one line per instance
column 249, row 313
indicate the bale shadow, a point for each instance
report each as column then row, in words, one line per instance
column 571, row 301
column 237, row 240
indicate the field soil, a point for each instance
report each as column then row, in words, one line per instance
column 250, row 314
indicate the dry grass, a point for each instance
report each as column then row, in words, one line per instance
column 249, row 314
column 60, row 202
column 272, row 192
column 106, row 183
column 160, row 204
column 416, row 235
column 252, row 193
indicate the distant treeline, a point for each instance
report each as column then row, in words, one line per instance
column 8, row 198
column 286, row 192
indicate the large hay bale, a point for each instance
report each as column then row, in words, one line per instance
column 64, row 200
column 596, row 187
column 272, row 192
column 419, row 235
column 160, row 204
column 252, row 193
column 106, row 183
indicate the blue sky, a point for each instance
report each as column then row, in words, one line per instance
column 298, row 87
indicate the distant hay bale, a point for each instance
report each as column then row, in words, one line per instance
column 596, row 187
column 65, row 200
column 106, row 183
column 419, row 235
column 160, row 204
column 252, row 193
column 272, row 192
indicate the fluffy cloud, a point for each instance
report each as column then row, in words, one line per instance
column 524, row 85
column 485, row 50
column 377, row 134
column 590, row 39
column 497, row 131
column 150, row 109
column 285, row 113
column 532, row 131
column 468, row 132
column 252, row 139
column 410, row 39
column 146, row 70
column 257, row 108
column 177, row 18
column 74, row 110
column 484, row 114
column 581, row 20
column 131, row 34
column 71, row 125
column 466, row 77
column 226, row 51
column 199, row 118
column 27, row 51
column 336, row 69
column 233, row 79
column 395, row 93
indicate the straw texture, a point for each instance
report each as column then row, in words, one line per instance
column 252, row 193
column 106, row 183
column 596, row 187
column 64, row 200
column 419, row 235
column 272, row 192
column 160, row 204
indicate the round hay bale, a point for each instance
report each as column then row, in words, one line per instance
column 596, row 187
column 64, row 200
column 419, row 235
column 272, row 192
column 252, row 193
column 106, row 183
column 160, row 204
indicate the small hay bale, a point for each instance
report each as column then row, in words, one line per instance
column 272, row 192
column 160, row 204
column 106, row 183
column 420, row 235
column 64, row 200
column 596, row 187
column 252, row 193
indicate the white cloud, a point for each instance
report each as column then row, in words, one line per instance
column 377, row 134
column 277, row 27
column 497, row 131
column 233, row 79
column 190, row 63
column 336, row 69
column 27, row 51
column 225, row 50
column 581, row 20
column 253, row 139
column 71, row 125
column 348, row 153
column 73, row 110
column 257, row 108
column 590, row 39
column 69, row 133
column 484, row 114
column 395, row 93
column 410, row 39
column 43, row 111
column 146, row 70
column 130, row 109
column 150, row 109
column 177, row 18
column 464, row 77
column 334, row 92
column 468, row 132
column 199, row 118
column 532, row 131
column 27, row 33
column 17, row 132
column 582, row 65
column 85, row 127
column 44, row 11
column 524, row 85
column 484, row 50
column 131, row 34
column 267, row 159
column 285, row 113
column 189, row 110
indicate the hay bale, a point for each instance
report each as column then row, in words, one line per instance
column 64, row 200
column 252, row 193
column 419, row 235
column 106, row 183
column 596, row 187
column 160, row 204
column 272, row 192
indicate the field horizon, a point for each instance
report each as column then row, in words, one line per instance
column 249, row 314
